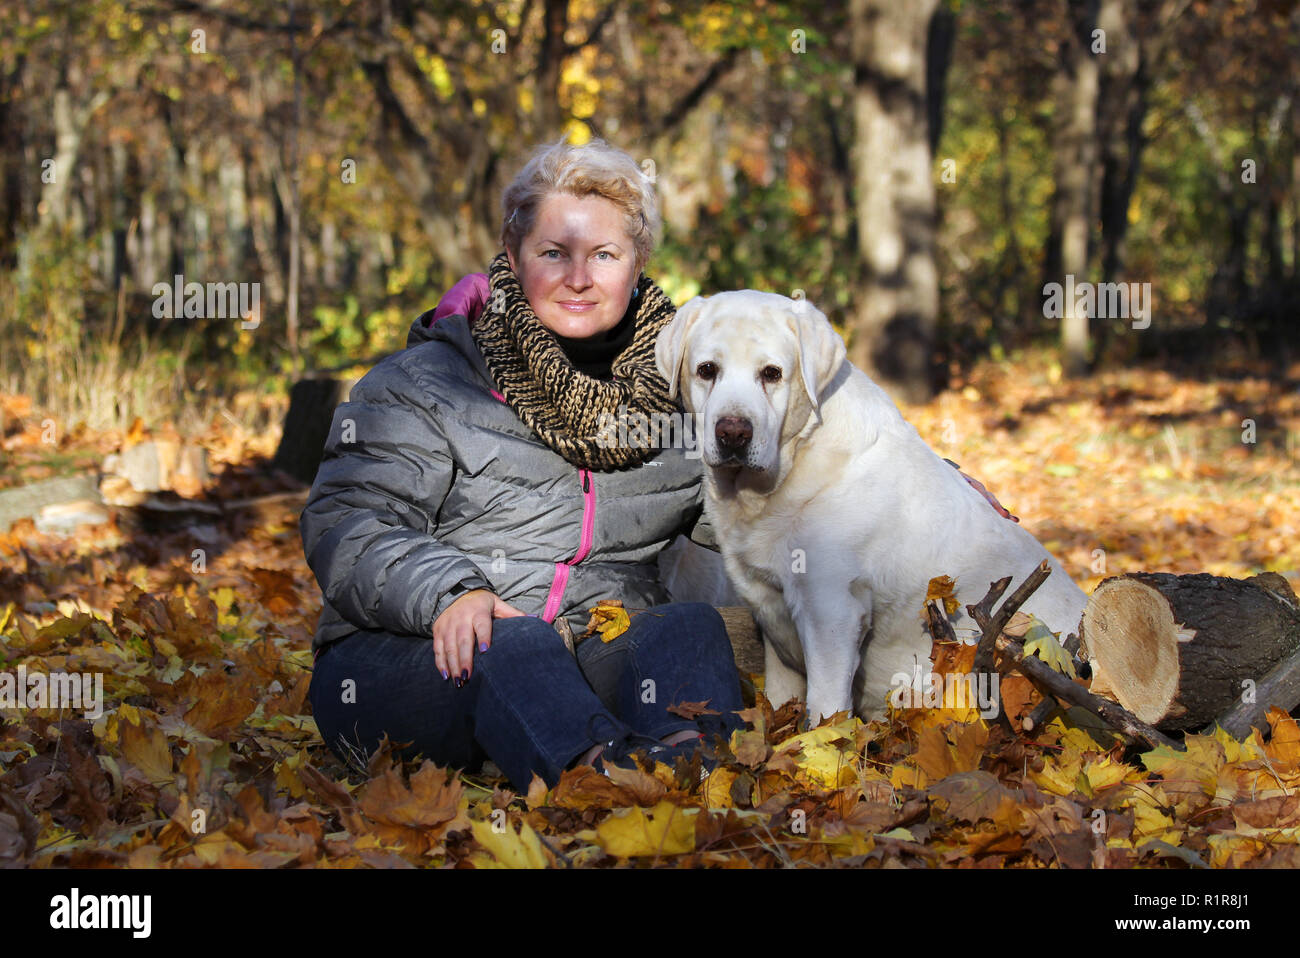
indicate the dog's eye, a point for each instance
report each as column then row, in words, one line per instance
column 706, row 370
column 771, row 374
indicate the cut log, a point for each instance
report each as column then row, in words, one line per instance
column 155, row 465
column 1179, row 651
column 27, row 502
column 307, row 424
column 746, row 643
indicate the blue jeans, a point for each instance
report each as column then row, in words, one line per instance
column 529, row 706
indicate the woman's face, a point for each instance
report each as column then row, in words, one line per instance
column 577, row 266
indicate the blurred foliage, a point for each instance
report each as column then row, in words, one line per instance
column 407, row 121
column 757, row 241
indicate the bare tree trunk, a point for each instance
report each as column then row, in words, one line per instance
column 262, row 221
column 897, row 296
column 147, row 271
column 13, row 176
column 120, row 220
column 1075, row 152
column 70, row 121
column 1295, row 202
column 329, row 270
column 230, row 176
column 1137, row 46
column 295, row 205
column 197, row 211
column 1122, row 108
column 546, row 102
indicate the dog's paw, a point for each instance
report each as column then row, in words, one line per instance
column 817, row 712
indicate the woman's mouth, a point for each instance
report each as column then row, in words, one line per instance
column 577, row 306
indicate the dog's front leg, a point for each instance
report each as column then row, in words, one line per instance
column 831, row 638
column 781, row 683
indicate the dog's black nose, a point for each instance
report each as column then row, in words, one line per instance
column 733, row 433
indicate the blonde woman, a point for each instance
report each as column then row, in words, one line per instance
column 472, row 493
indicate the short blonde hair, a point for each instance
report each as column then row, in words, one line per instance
column 594, row 168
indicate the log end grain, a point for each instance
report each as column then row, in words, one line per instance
column 1131, row 633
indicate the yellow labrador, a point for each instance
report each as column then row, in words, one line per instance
column 831, row 512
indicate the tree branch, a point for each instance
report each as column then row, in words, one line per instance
column 717, row 70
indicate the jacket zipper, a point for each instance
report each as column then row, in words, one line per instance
column 561, row 579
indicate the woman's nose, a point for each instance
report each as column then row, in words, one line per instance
column 579, row 277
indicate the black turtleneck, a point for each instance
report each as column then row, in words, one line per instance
column 594, row 356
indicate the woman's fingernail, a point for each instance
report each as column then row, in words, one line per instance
column 464, row 675
column 482, row 646
column 445, row 674
column 459, row 683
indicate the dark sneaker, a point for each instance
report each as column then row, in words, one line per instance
column 624, row 753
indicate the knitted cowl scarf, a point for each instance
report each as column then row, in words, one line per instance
column 569, row 411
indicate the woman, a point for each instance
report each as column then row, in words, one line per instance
column 469, row 496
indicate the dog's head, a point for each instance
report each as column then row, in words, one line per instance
column 751, row 367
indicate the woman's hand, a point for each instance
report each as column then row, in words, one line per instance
column 463, row 624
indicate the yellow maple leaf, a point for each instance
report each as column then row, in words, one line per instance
column 905, row 776
column 147, row 750
column 1248, row 749
column 1041, row 641
column 609, row 618
column 1188, row 773
column 666, row 829
column 508, row 849
column 826, row 755
column 1230, row 850
column 1105, row 773
column 716, row 790
column 1284, row 743
column 1057, row 777
column 208, row 848
column 942, row 587
column 1150, row 822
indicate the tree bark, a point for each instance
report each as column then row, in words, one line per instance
column 307, row 424
column 1074, row 149
column 897, row 296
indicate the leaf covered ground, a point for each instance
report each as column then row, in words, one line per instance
column 205, row 754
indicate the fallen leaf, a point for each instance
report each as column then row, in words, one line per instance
column 609, row 618
column 666, row 829
column 692, row 710
column 508, row 849
column 1041, row 641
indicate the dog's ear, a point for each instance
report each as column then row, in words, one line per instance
column 670, row 347
column 821, row 349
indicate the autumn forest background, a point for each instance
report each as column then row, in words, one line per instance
column 921, row 171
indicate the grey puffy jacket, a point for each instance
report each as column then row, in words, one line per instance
column 430, row 481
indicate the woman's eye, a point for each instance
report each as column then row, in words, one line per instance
column 606, row 253
column 706, row 371
column 771, row 374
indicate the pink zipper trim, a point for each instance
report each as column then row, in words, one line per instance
column 561, row 579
